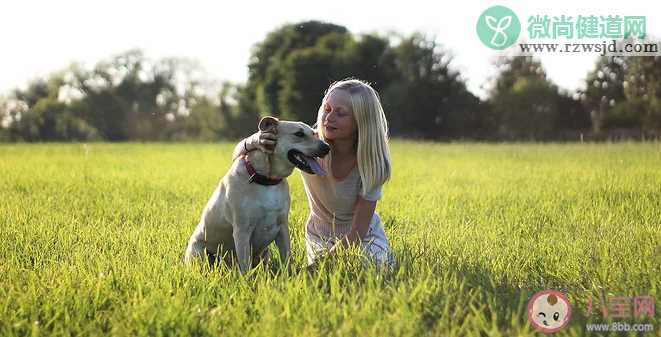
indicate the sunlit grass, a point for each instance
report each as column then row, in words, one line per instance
column 92, row 236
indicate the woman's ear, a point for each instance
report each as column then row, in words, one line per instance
column 268, row 123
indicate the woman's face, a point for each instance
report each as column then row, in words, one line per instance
column 337, row 116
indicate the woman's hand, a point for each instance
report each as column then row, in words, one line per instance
column 264, row 141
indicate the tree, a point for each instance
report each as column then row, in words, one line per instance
column 266, row 76
column 131, row 97
column 421, row 94
column 128, row 97
column 307, row 73
column 425, row 97
column 642, row 90
column 310, row 71
column 28, row 124
column 624, row 93
column 526, row 105
column 571, row 114
column 39, row 114
column 604, row 89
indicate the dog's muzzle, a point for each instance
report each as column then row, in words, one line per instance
column 306, row 163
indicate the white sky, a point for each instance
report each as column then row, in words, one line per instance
column 39, row 37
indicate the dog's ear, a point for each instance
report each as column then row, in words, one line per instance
column 268, row 123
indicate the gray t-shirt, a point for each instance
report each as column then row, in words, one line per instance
column 332, row 201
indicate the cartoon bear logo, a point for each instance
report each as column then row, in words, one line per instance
column 549, row 311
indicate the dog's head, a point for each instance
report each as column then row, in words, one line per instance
column 298, row 143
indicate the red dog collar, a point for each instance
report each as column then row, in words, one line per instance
column 256, row 177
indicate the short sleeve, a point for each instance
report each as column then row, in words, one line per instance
column 373, row 195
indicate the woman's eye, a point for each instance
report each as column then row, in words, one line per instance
column 299, row 134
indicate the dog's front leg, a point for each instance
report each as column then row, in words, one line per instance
column 196, row 244
column 241, row 234
column 282, row 239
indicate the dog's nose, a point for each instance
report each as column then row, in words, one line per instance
column 324, row 148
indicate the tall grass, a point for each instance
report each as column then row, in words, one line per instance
column 92, row 238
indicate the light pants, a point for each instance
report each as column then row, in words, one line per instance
column 375, row 246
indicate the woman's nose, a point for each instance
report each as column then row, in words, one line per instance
column 330, row 116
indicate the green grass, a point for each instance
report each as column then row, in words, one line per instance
column 92, row 236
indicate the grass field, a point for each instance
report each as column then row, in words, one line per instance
column 92, row 236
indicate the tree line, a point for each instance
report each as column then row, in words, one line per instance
column 130, row 97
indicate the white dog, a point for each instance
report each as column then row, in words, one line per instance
column 250, row 207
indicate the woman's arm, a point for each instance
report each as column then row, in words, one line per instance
column 240, row 149
column 362, row 216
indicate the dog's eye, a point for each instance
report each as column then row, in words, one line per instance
column 300, row 134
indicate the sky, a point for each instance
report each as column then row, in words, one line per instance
column 40, row 37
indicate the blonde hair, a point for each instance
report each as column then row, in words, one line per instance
column 372, row 150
